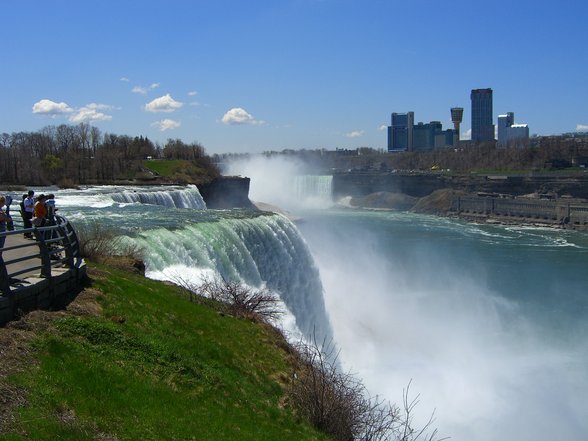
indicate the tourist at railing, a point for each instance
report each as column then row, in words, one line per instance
column 4, row 219
column 28, row 207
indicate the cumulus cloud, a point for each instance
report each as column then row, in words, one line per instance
column 582, row 128
column 143, row 90
column 466, row 135
column 383, row 127
column 165, row 104
column 125, row 79
column 192, row 93
column 90, row 113
column 238, row 115
column 51, row 108
column 355, row 134
column 166, row 124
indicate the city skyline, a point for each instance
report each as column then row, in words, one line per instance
column 288, row 74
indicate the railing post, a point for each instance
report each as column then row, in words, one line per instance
column 66, row 243
column 44, row 251
column 4, row 279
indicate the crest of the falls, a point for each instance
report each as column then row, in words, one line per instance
column 174, row 198
column 260, row 251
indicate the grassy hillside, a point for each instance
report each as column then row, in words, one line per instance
column 133, row 359
column 179, row 170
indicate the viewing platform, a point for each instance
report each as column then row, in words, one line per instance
column 44, row 272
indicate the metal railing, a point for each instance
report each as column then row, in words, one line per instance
column 52, row 246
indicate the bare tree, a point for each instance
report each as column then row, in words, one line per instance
column 338, row 404
column 239, row 299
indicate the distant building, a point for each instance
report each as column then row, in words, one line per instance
column 456, row 118
column 511, row 134
column 404, row 135
column 400, row 133
column 432, row 136
column 482, row 127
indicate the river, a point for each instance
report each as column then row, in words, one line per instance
column 487, row 322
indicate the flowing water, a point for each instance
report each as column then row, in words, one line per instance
column 489, row 322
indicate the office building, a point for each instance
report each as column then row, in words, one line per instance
column 511, row 134
column 400, row 133
column 482, row 127
column 432, row 136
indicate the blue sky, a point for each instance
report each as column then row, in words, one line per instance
column 267, row 75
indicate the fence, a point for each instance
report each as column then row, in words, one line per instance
column 40, row 273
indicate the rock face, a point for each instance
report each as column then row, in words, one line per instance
column 384, row 200
column 226, row 192
column 423, row 184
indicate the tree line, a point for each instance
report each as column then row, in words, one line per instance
column 68, row 155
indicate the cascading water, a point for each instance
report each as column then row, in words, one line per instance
column 184, row 198
column 263, row 250
column 314, row 191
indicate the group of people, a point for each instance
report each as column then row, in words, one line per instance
column 39, row 211
column 35, row 211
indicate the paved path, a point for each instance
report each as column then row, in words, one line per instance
column 31, row 248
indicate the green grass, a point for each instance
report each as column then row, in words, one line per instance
column 154, row 366
column 181, row 170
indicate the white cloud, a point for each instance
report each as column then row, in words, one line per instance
column 125, row 79
column 166, row 124
column 51, row 108
column 355, row 134
column 582, row 128
column 383, row 127
column 165, row 104
column 192, row 93
column 143, row 90
column 90, row 113
column 139, row 89
column 195, row 103
column 238, row 115
column 467, row 135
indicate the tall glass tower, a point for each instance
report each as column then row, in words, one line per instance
column 482, row 127
column 401, row 131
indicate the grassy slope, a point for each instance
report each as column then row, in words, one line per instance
column 190, row 171
column 150, row 365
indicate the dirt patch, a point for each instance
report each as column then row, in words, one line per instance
column 16, row 355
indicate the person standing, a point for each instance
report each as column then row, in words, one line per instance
column 4, row 219
column 40, row 212
column 29, row 209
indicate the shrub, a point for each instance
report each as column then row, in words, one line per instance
column 338, row 404
column 238, row 299
column 98, row 242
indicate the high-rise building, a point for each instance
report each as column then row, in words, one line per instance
column 482, row 127
column 400, row 133
column 511, row 134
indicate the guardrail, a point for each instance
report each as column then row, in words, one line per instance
column 39, row 273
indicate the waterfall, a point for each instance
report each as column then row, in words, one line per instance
column 261, row 251
column 313, row 190
column 184, row 198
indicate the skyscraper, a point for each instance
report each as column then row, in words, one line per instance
column 401, row 131
column 482, row 127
